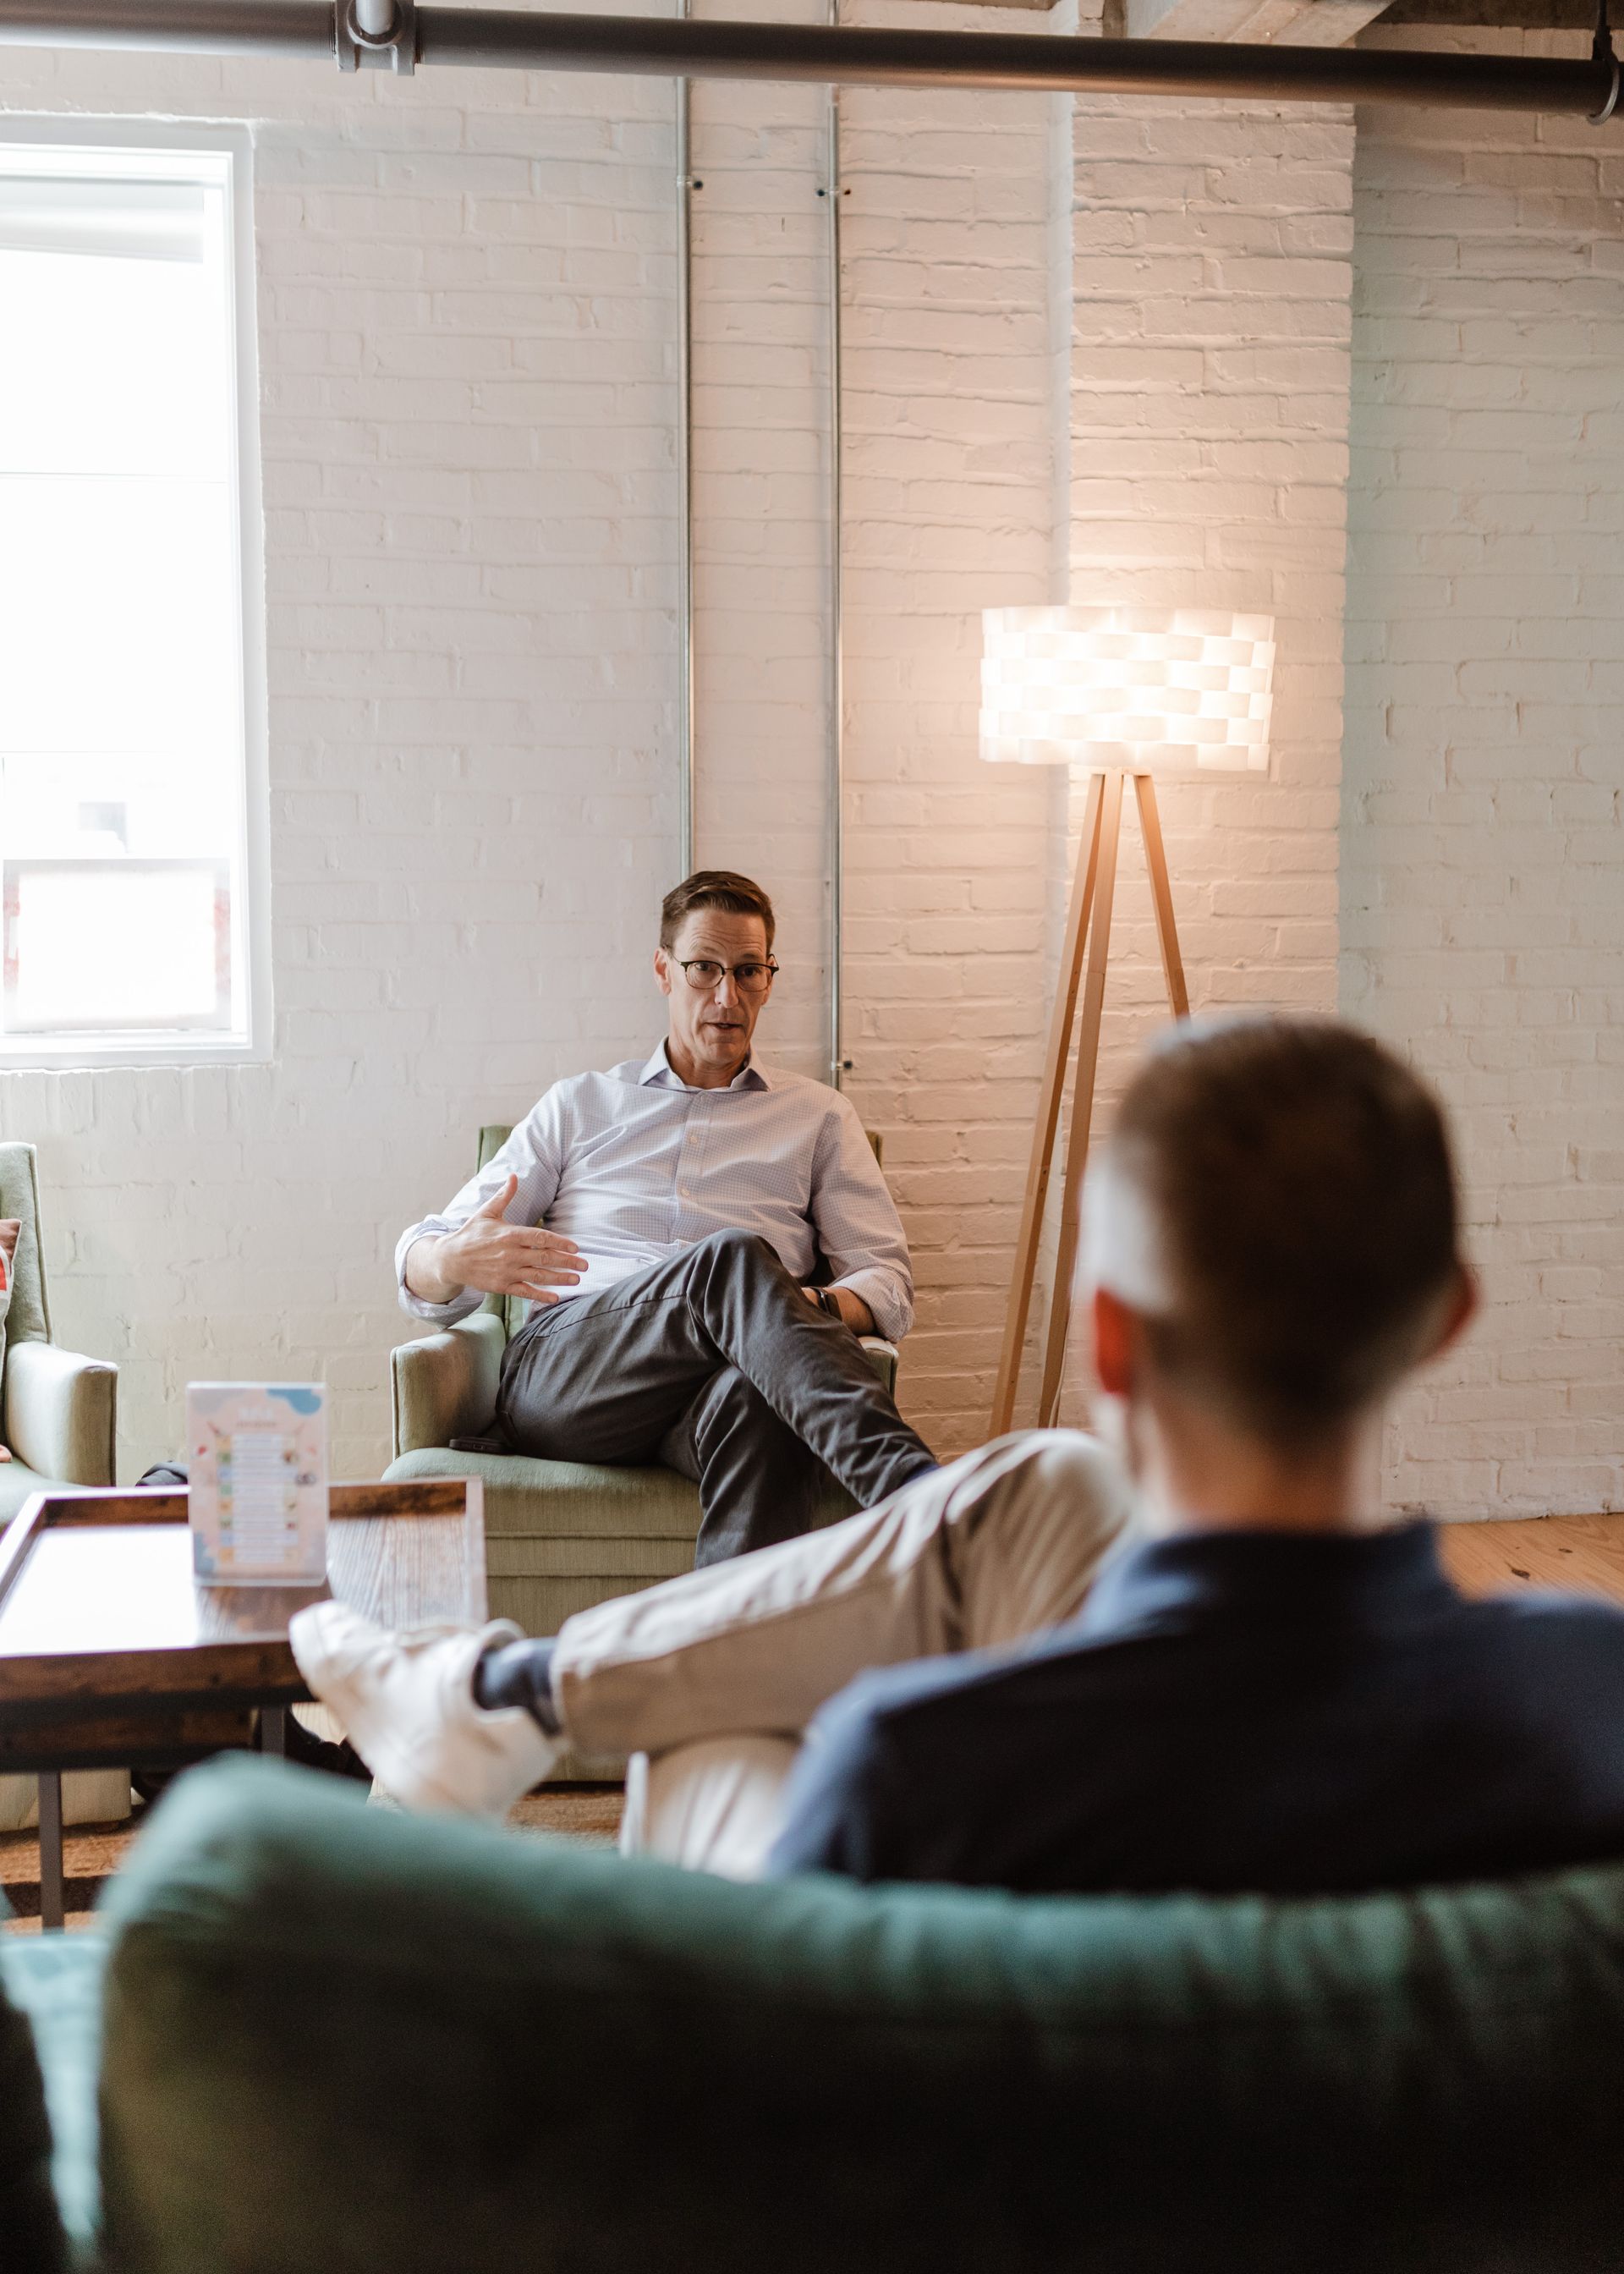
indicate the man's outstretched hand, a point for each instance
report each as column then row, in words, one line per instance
column 494, row 1257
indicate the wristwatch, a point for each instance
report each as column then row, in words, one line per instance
column 827, row 1304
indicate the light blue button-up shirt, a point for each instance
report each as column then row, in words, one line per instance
column 635, row 1167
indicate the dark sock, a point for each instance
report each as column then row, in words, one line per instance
column 519, row 1674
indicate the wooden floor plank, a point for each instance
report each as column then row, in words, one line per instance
column 1582, row 1553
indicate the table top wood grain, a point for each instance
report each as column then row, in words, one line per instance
column 100, row 1612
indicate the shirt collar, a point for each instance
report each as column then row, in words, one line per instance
column 659, row 1073
column 1182, row 1581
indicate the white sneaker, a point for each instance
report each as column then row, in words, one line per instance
column 406, row 1704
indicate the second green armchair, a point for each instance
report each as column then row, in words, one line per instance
column 57, row 1415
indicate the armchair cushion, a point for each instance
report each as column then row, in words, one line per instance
column 18, row 1483
column 60, row 1412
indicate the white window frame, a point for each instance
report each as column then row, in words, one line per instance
column 252, row 928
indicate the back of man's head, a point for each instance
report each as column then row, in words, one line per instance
column 1277, row 1204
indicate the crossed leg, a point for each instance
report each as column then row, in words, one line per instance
column 709, row 1681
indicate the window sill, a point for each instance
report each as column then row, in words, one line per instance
column 49, row 1055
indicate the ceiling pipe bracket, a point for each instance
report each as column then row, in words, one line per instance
column 376, row 35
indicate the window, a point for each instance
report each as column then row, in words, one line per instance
column 126, row 695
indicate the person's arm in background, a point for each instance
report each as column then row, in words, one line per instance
column 489, row 1241
column 859, row 1230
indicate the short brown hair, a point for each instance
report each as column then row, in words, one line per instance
column 713, row 888
column 1297, row 1177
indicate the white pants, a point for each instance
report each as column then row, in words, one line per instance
column 710, row 1680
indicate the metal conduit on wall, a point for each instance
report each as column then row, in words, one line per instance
column 686, row 762
column 835, row 733
column 838, row 1061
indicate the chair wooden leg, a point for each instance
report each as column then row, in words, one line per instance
column 1161, row 893
column 1082, row 1100
column 1048, row 1114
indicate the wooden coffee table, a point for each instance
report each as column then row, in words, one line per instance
column 111, row 1652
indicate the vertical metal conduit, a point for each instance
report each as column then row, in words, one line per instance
column 685, row 472
column 838, row 1061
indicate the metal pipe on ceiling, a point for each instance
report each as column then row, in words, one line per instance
column 840, row 54
column 199, row 28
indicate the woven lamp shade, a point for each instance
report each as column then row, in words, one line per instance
column 1148, row 689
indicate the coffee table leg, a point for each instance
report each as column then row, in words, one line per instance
column 51, row 1906
column 273, row 1729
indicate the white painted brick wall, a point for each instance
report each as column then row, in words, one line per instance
column 464, row 297
column 466, row 305
column 1483, row 919
column 1211, row 283
column 467, row 332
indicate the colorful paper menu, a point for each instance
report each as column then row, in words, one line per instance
column 259, row 1482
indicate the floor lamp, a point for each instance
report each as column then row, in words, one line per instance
column 1122, row 694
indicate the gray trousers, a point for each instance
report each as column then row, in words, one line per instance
column 715, row 1363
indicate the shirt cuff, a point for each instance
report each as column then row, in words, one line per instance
column 442, row 1314
column 893, row 1313
column 437, row 1315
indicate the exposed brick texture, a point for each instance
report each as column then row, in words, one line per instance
column 465, row 289
column 1102, row 351
column 1483, row 921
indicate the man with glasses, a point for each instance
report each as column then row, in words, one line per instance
column 666, row 1220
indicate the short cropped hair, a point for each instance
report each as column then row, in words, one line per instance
column 713, row 888
column 1295, row 1188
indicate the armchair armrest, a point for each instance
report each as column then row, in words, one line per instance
column 882, row 1356
column 61, row 1412
column 445, row 1385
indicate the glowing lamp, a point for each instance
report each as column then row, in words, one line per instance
column 1115, row 692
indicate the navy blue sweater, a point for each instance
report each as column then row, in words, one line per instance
column 1236, row 1711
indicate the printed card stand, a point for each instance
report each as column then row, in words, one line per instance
column 259, row 1488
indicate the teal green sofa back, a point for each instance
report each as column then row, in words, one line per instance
column 343, row 2040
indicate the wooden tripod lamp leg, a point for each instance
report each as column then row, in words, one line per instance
column 1048, row 1114
column 1161, row 893
column 1082, row 1103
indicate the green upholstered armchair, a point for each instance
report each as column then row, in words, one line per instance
column 57, row 1420
column 559, row 1535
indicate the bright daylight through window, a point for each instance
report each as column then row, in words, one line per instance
column 122, row 747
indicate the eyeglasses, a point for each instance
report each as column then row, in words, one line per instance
column 749, row 978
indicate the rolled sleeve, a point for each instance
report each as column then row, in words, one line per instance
column 859, row 1230
column 439, row 1315
column 888, row 1301
column 534, row 1153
